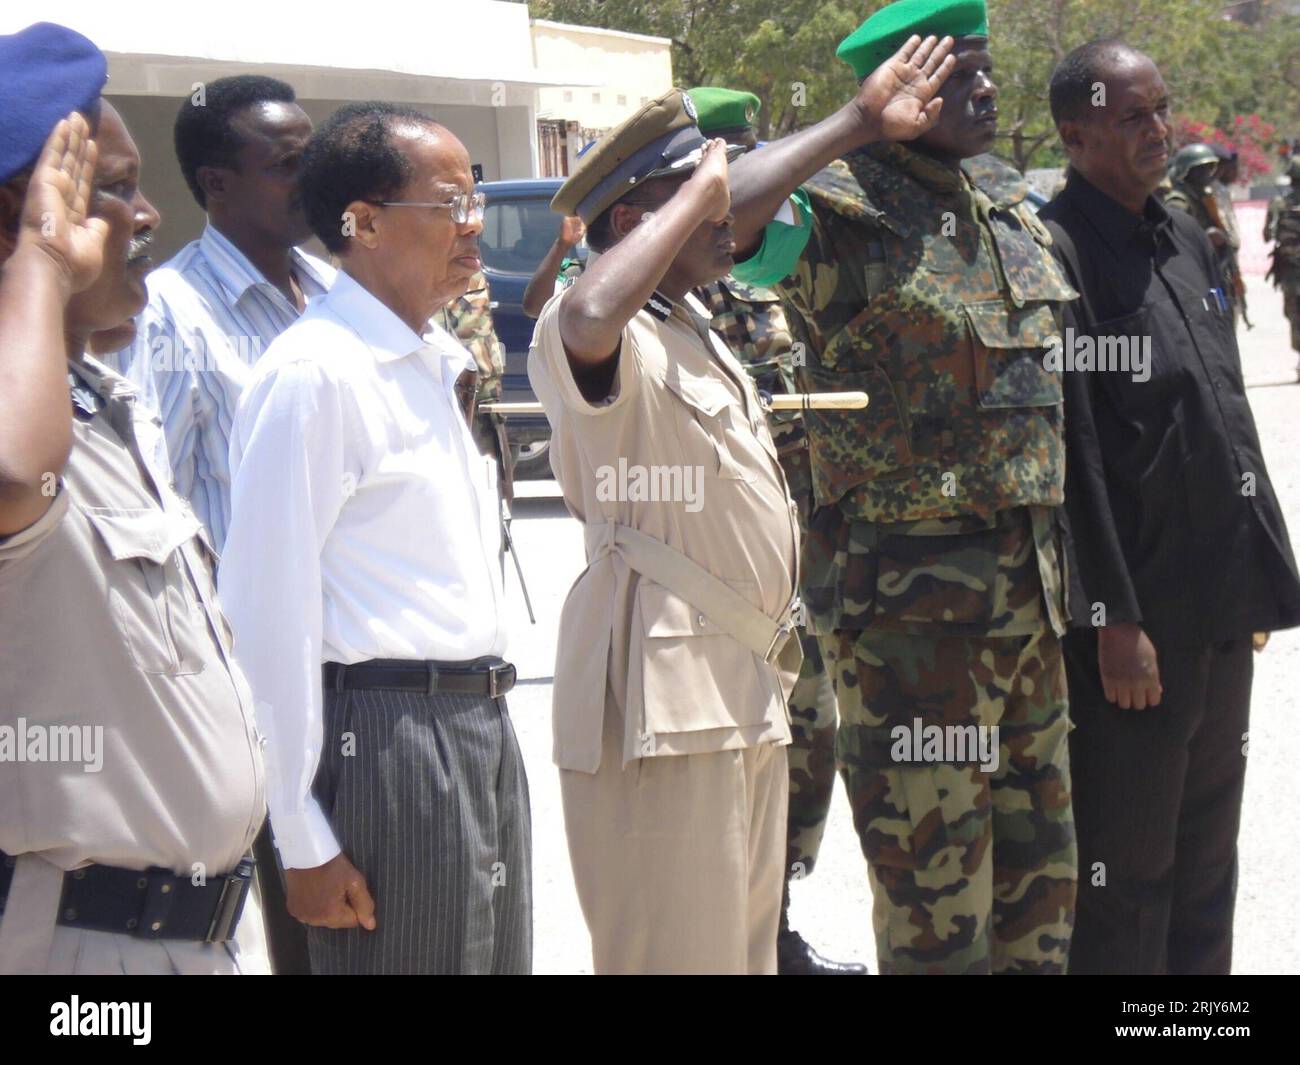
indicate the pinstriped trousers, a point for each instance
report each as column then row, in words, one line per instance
column 428, row 799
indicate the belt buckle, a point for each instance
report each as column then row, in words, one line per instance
column 779, row 638
column 230, row 903
column 783, row 632
column 495, row 675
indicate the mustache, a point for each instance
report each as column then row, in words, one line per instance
column 139, row 245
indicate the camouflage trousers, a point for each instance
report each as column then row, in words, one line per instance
column 811, row 753
column 971, row 857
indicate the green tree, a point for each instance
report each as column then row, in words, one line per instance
column 784, row 52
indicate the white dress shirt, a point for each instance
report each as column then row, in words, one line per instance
column 364, row 525
column 211, row 314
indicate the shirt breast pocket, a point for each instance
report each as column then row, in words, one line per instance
column 1134, row 355
column 703, row 430
column 157, row 614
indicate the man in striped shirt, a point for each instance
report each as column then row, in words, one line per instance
column 217, row 305
column 213, row 309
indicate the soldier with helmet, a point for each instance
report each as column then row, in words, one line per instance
column 1282, row 228
column 1192, row 177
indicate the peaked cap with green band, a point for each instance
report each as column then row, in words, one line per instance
column 661, row 139
column 885, row 32
column 721, row 110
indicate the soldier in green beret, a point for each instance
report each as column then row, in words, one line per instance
column 753, row 322
column 922, row 276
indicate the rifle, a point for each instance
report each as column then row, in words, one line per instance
column 1229, row 257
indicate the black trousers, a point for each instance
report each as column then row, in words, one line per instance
column 286, row 936
column 1157, row 805
column 428, row 799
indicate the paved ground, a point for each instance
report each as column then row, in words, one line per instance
column 833, row 907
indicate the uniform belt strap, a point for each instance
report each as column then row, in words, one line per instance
column 687, row 580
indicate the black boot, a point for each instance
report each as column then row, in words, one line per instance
column 794, row 957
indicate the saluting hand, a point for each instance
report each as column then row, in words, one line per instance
column 710, row 181
column 572, row 230
column 55, row 218
column 899, row 98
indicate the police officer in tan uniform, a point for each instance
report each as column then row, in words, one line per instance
column 130, row 767
column 675, row 656
column 752, row 320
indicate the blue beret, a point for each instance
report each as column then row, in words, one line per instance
column 45, row 72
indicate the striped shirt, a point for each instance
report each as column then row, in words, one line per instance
column 211, row 314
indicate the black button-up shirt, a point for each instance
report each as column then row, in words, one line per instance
column 1174, row 520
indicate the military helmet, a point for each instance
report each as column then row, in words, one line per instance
column 1293, row 170
column 1189, row 158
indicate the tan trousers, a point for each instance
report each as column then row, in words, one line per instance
column 679, row 860
column 31, row 942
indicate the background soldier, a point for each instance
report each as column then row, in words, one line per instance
column 1282, row 226
column 1192, row 174
column 922, row 276
column 753, row 322
column 469, row 319
column 560, row 269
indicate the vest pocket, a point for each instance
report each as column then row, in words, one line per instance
column 852, row 447
column 1010, row 348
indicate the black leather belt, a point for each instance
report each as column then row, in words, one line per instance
column 149, row 903
column 484, row 676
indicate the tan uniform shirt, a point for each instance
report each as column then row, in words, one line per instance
column 109, row 628
column 683, row 422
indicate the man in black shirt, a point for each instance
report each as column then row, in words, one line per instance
column 1181, row 548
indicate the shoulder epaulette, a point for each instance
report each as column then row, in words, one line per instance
column 659, row 307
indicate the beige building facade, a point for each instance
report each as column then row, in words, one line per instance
column 624, row 71
column 470, row 65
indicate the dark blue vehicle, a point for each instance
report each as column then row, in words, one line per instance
column 518, row 230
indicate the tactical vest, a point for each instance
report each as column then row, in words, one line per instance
column 944, row 324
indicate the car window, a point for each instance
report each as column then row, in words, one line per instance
column 517, row 235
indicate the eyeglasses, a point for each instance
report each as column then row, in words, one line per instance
column 465, row 207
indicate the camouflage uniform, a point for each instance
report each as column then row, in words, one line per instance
column 1283, row 227
column 569, row 272
column 1193, row 201
column 469, row 319
column 753, row 322
column 935, row 562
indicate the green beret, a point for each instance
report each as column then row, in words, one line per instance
column 659, row 140
column 885, row 32
column 720, row 110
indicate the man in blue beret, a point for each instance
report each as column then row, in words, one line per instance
column 130, row 768
column 922, row 276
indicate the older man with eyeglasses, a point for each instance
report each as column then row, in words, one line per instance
column 361, row 578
